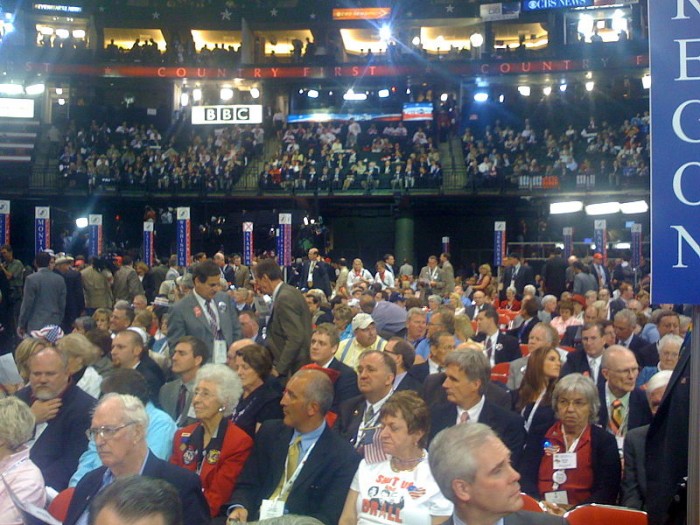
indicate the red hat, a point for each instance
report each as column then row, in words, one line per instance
column 579, row 299
column 597, row 256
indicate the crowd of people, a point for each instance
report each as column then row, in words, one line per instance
column 347, row 395
column 140, row 158
column 353, row 156
column 601, row 154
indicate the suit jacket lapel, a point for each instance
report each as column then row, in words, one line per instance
column 315, row 461
column 279, row 457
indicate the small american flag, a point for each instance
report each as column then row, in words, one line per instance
column 373, row 451
column 416, row 492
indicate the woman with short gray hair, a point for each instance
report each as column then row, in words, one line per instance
column 580, row 462
column 214, row 447
column 18, row 471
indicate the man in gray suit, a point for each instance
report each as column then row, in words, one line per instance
column 175, row 397
column 471, row 465
column 289, row 326
column 44, row 298
column 207, row 313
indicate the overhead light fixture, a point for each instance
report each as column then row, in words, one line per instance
column 61, row 101
column 385, row 33
column 524, row 90
column 476, row 40
column 62, row 33
column 557, row 208
column 562, row 87
column 351, row 95
column 79, row 33
column 481, row 96
column 184, row 99
column 416, row 41
column 603, row 208
column 46, row 31
column 255, row 92
column 226, row 94
column 383, row 93
column 59, row 91
column 646, row 81
column 590, row 85
column 81, row 222
column 312, row 93
column 11, row 89
column 196, row 95
column 443, row 97
column 35, row 89
column 630, row 208
column 501, row 98
column 547, row 90
column 622, row 246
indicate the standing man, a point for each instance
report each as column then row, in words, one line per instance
column 472, row 467
column 241, row 273
column 390, row 262
column 449, row 272
column 14, row 271
column 298, row 465
column 554, row 274
column 175, row 397
column 62, row 412
column 75, row 298
column 341, row 279
column 289, row 327
column 126, row 281
column 431, row 279
column 314, row 274
column 44, row 300
column 207, row 314
column 517, row 275
column 97, row 288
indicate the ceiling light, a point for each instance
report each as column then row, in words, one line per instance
column 312, row 93
column 630, row 208
column 547, row 90
column 562, row 87
column 184, row 99
column 476, row 40
column 416, row 41
column 255, row 92
column 11, row 89
column 646, row 81
column 226, row 94
column 196, row 94
column 603, row 208
column 590, row 85
column 34, row 89
column 383, row 93
column 556, row 208
column 62, row 33
column 481, row 96
column 81, row 222
column 524, row 90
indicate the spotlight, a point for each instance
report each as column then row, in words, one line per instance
column 62, row 33
column 59, row 91
column 501, row 98
column 79, row 33
column 255, row 92
column 385, row 33
column 61, row 101
column 629, row 208
column 603, row 208
column 196, row 95
column 11, row 89
column 81, row 222
column 590, row 85
column 646, row 81
column 443, row 97
column 416, row 41
column 547, row 90
column 556, row 208
column 184, row 99
column 226, row 94
column 312, row 93
column 481, row 96
column 562, row 87
column 476, row 40
column 383, row 93
column 351, row 95
column 34, row 89
column 524, row 90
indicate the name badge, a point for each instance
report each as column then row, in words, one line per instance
column 564, row 460
column 219, row 352
column 557, row 497
column 271, row 508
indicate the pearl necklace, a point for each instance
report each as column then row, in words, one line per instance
column 400, row 465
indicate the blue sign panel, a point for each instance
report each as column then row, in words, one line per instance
column 539, row 5
column 675, row 163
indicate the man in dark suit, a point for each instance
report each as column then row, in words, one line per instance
column 528, row 313
column 588, row 360
column 289, row 326
column 315, row 274
column 129, row 352
column 62, row 413
column 75, row 298
column 207, row 313
column 600, row 271
column 467, row 376
column 433, row 393
column 329, row 464
column 175, row 397
column 359, row 415
column 119, row 427
column 440, row 344
column 624, row 323
column 667, row 322
column 479, row 304
column 517, row 274
column 498, row 347
column 626, row 295
column 404, row 356
column 485, row 489
column 554, row 274
column 324, row 345
column 620, row 369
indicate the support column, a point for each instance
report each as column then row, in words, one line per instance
column 403, row 242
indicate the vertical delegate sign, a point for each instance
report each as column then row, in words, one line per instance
column 499, row 243
column 445, row 245
column 600, row 238
column 247, row 243
column 568, row 242
column 284, row 239
column 148, row 237
column 42, row 228
column 184, row 237
column 5, row 222
column 636, row 245
column 675, row 163
column 95, row 239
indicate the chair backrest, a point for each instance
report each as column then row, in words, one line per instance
column 605, row 515
column 530, row 503
column 499, row 372
column 58, row 507
column 524, row 350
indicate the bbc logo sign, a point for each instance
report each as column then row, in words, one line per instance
column 241, row 114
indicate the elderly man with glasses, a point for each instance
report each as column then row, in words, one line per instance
column 118, row 429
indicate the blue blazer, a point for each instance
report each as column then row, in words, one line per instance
column 195, row 510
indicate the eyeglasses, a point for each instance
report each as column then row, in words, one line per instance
column 106, row 432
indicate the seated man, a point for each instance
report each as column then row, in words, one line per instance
column 298, row 465
column 119, row 427
column 365, row 338
column 62, row 412
column 324, row 345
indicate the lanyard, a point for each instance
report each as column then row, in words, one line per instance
column 288, row 484
column 572, row 448
column 528, row 423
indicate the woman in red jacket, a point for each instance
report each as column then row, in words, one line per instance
column 214, row 447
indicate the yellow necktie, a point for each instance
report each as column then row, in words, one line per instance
column 292, row 462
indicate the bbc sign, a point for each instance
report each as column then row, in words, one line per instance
column 227, row 114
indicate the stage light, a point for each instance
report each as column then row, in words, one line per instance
column 557, row 208
column 481, row 96
column 524, row 90
column 603, row 208
column 416, row 41
column 547, row 90
column 255, row 92
column 196, row 95
column 226, row 94
column 34, row 89
column 184, row 99
column 385, row 33
column 312, row 93
column 562, row 87
column 630, row 208
column 81, row 222
column 646, row 81
column 590, row 85
column 62, row 33
column 476, row 40
column 11, row 89
column 383, row 93
column 351, row 95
